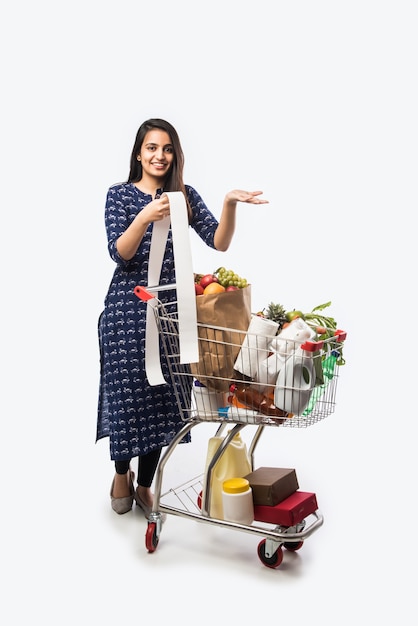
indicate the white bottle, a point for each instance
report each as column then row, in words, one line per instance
column 237, row 500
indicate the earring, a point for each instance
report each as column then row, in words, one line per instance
column 138, row 158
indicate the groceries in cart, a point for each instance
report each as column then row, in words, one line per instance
column 243, row 495
column 279, row 368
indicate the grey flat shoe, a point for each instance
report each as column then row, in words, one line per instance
column 146, row 508
column 122, row 505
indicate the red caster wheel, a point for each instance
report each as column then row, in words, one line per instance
column 289, row 545
column 270, row 561
column 151, row 537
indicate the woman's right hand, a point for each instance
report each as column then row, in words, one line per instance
column 156, row 210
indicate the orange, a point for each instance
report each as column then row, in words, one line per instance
column 213, row 288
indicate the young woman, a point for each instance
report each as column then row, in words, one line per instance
column 140, row 419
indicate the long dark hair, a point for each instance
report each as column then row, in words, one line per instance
column 174, row 180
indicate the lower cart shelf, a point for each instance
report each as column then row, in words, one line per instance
column 185, row 501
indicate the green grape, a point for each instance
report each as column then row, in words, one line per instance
column 229, row 278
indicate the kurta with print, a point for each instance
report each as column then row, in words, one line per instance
column 136, row 416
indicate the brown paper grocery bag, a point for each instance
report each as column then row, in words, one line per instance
column 220, row 318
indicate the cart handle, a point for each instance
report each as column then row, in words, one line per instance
column 143, row 294
column 313, row 346
column 147, row 293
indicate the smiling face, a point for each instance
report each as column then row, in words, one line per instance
column 156, row 154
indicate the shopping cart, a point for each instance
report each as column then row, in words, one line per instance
column 295, row 389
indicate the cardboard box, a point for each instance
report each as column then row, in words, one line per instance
column 290, row 511
column 271, row 485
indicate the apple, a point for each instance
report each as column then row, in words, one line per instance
column 232, row 288
column 198, row 289
column 207, row 279
column 292, row 315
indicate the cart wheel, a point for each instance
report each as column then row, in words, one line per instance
column 293, row 546
column 151, row 537
column 199, row 500
column 270, row 561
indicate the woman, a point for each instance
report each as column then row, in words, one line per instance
column 140, row 419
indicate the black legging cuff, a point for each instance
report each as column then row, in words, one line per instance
column 147, row 466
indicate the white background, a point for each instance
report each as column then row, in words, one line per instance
column 314, row 103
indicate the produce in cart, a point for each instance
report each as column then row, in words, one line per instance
column 324, row 326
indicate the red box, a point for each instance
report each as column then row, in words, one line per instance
column 288, row 512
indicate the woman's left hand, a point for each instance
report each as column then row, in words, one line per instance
column 251, row 197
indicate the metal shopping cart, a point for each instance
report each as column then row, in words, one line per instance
column 293, row 387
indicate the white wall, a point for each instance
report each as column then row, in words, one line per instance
column 312, row 102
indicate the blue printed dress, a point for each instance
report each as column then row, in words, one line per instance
column 137, row 417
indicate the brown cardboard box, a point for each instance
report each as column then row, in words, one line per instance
column 271, row 485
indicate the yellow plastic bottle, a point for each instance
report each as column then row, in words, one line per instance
column 233, row 462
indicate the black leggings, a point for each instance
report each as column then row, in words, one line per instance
column 147, row 465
